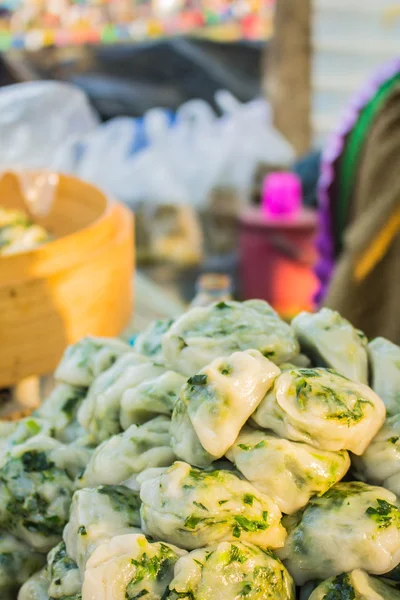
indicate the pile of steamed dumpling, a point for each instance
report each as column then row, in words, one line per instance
column 227, row 455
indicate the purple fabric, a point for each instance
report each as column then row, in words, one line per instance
column 331, row 154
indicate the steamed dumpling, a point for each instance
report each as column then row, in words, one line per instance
column 155, row 396
column 35, row 493
column 148, row 342
column 184, row 441
column 104, row 419
column 232, row 570
column 352, row 526
column 385, row 364
column 357, row 585
column 60, row 409
column 322, row 408
column 97, row 515
column 331, row 341
column 129, row 567
column 36, row 588
column 17, row 563
column 288, row 472
column 222, row 397
column 84, row 361
column 64, row 576
column 24, row 430
column 203, row 334
column 71, row 458
column 106, row 380
column 380, row 463
column 192, row 508
column 138, row 448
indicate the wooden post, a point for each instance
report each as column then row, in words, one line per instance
column 288, row 77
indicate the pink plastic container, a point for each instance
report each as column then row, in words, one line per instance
column 277, row 248
column 281, row 195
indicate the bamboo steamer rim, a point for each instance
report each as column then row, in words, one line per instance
column 64, row 252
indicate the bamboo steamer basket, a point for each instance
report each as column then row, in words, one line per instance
column 79, row 284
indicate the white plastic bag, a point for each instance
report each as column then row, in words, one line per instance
column 181, row 161
column 37, row 118
column 248, row 127
column 160, row 159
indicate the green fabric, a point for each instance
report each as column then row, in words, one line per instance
column 352, row 152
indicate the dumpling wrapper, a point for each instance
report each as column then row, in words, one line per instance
column 156, row 396
column 222, row 397
column 385, row 365
column 87, row 359
column 64, row 575
column 193, row 508
column 322, row 408
column 129, row 567
column 357, row 585
column 97, row 515
column 60, row 409
column 290, row 473
column 25, row 429
column 380, row 463
column 184, row 440
column 35, row 492
column 203, row 334
column 106, row 405
column 352, row 526
column 105, row 381
column 148, row 342
column 36, row 588
column 231, row 570
column 331, row 341
column 138, row 448
column 17, row 563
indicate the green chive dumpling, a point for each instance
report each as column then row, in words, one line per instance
column 380, row 463
column 60, row 409
column 331, row 341
column 35, row 493
column 155, row 396
column 322, row 408
column 203, row 334
column 357, row 585
column 385, row 365
column 129, row 567
column 148, row 342
column 352, row 526
column 184, row 441
column 36, row 587
column 192, row 508
column 96, row 516
column 222, row 397
column 107, row 380
column 138, row 448
column 64, row 576
column 17, row 563
column 288, row 472
column 104, row 420
column 84, row 361
column 25, row 429
column 231, row 571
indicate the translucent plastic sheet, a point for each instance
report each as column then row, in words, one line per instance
column 37, row 190
column 37, row 118
column 159, row 161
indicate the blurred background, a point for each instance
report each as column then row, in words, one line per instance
column 253, row 139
